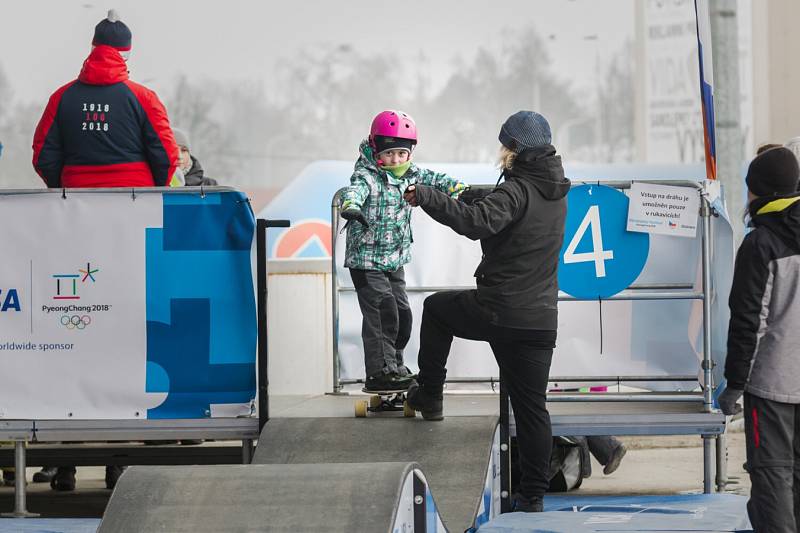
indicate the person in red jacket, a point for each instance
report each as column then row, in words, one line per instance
column 103, row 130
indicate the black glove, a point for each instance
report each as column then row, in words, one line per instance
column 727, row 400
column 410, row 195
column 472, row 195
column 355, row 214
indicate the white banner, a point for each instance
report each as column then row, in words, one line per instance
column 100, row 326
column 663, row 209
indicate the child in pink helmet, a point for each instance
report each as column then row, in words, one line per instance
column 379, row 242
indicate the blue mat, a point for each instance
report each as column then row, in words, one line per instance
column 712, row 513
column 49, row 525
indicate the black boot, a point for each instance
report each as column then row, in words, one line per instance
column 112, row 475
column 9, row 477
column 45, row 475
column 616, row 459
column 521, row 504
column 387, row 382
column 427, row 401
column 64, row 480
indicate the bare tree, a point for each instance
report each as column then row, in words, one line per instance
column 615, row 107
column 468, row 112
column 17, row 124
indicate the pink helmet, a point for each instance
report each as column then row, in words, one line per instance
column 392, row 123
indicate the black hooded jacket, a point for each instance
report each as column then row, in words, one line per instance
column 763, row 338
column 521, row 228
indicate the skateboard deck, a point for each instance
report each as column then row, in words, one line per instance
column 383, row 402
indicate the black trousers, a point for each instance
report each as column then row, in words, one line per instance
column 524, row 359
column 386, row 324
column 602, row 447
column 772, row 436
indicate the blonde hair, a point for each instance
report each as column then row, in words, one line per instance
column 505, row 159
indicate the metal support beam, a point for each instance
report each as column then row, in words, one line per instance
column 20, row 484
column 505, row 451
column 337, row 385
column 727, row 107
column 261, row 292
column 722, row 462
column 708, row 461
column 262, row 289
column 708, row 363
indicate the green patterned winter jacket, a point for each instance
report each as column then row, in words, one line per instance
column 386, row 244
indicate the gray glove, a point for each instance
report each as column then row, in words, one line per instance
column 355, row 214
column 727, row 400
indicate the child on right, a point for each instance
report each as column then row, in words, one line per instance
column 764, row 341
column 379, row 243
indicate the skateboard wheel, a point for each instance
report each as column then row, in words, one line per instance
column 408, row 411
column 361, row 408
column 375, row 401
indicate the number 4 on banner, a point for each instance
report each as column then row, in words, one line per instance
column 598, row 255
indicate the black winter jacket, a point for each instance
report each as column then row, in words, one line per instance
column 196, row 175
column 763, row 337
column 521, row 228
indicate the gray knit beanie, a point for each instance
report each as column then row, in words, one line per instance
column 181, row 138
column 525, row 129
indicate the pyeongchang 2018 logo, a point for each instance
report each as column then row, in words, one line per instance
column 69, row 289
column 67, row 284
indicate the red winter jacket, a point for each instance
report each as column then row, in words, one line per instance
column 103, row 130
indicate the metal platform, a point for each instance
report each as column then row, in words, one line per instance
column 16, row 430
column 128, row 430
column 567, row 418
column 123, row 454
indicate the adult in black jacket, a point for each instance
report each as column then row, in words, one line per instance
column 521, row 228
column 763, row 341
column 193, row 173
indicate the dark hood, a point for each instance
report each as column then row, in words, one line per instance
column 781, row 214
column 542, row 167
column 196, row 175
column 197, row 169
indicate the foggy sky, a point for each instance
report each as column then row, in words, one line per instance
column 44, row 42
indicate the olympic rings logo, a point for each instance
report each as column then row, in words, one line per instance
column 75, row 321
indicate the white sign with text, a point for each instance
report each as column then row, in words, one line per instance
column 663, row 209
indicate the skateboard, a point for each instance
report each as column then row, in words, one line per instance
column 384, row 402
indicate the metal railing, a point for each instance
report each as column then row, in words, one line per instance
column 639, row 292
